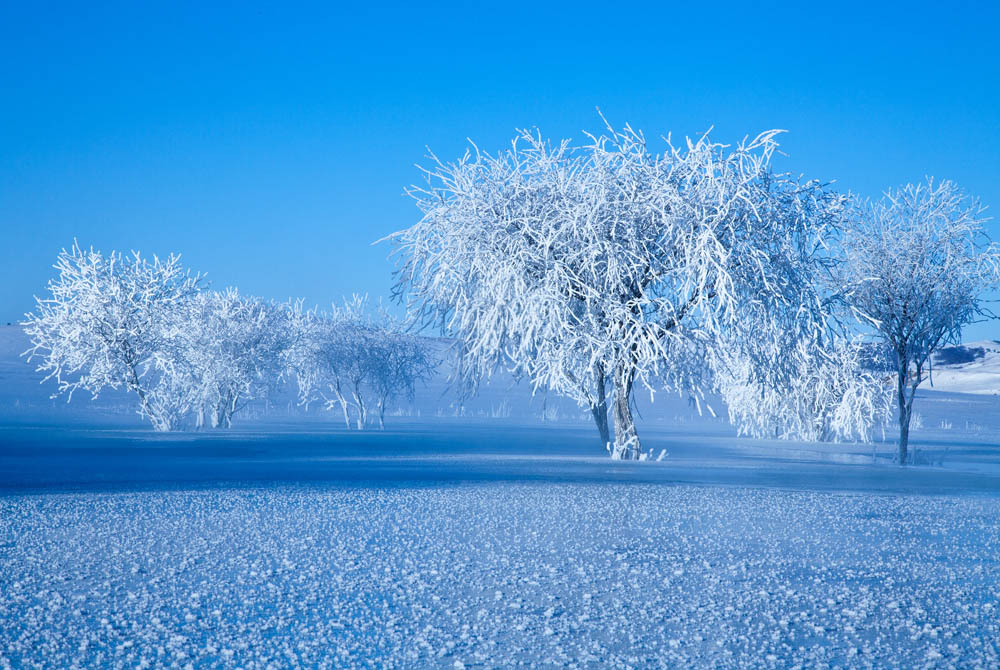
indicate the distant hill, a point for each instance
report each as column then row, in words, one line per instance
column 973, row 367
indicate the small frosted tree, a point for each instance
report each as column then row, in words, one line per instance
column 224, row 350
column 353, row 360
column 608, row 265
column 356, row 340
column 319, row 359
column 917, row 263
column 311, row 358
column 401, row 361
column 103, row 323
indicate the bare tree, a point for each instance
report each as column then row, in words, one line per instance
column 917, row 263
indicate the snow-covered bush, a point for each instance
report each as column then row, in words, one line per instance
column 916, row 266
column 104, row 322
column 609, row 265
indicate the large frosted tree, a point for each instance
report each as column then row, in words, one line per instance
column 609, row 266
column 917, row 264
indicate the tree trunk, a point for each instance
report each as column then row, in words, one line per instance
column 231, row 406
column 343, row 404
column 600, row 409
column 381, row 413
column 905, row 410
column 362, row 410
column 626, row 445
column 132, row 382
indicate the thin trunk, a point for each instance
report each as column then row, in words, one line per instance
column 144, row 407
column 626, row 445
column 600, row 409
column 362, row 410
column 905, row 407
column 225, row 418
column 381, row 413
column 231, row 409
column 343, row 403
column 220, row 412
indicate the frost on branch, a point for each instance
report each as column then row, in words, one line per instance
column 607, row 265
column 811, row 390
column 916, row 264
column 196, row 356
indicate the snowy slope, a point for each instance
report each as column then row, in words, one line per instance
column 967, row 368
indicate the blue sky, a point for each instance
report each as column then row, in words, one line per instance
column 270, row 144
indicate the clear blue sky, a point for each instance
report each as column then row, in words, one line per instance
column 270, row 144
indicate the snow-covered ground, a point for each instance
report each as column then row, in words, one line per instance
column 479, row 536
column 499, row 575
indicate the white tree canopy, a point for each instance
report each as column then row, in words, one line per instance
column 104, row 322
column 355, row 359
column 609, row 261
column 814, row 389
column 223, row 350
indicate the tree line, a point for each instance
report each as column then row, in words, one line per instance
column 194, row 357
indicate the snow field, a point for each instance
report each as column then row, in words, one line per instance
column 496, row 576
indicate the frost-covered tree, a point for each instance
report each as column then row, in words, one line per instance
column 104, row 321
column 319, row 360
column 917, row 263
column 608, row 264
column 224, row 350
column 353, row 360
column 358, row 340
column 308, row 358
column 402, row 361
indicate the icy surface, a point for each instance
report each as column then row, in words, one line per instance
column 486, row 549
